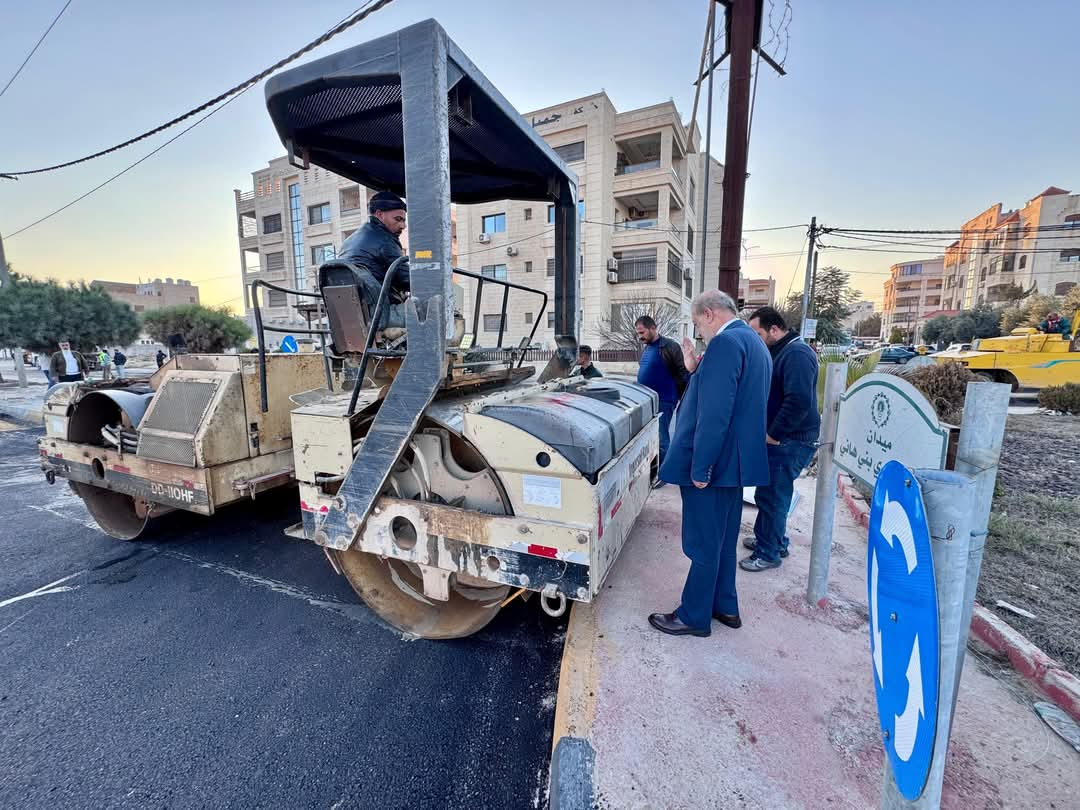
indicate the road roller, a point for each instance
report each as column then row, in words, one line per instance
column 194, row 437
column 456, row 478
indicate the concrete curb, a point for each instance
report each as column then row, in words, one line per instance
column 570, row 777
column 1040, row 670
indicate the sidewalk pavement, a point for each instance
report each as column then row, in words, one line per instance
column 777, row 714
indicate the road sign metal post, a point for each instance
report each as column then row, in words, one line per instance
column 948, row 499
column 982, row 431
column 817, row 584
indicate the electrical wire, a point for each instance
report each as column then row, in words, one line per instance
column 364, row 12
column 34, row 49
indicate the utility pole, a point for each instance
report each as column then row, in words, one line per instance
column 742, row 29
column 703, row 226
column 742, row 25
column 5, row 277
column 809, row 282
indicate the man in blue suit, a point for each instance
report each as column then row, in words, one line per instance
column 718, row 448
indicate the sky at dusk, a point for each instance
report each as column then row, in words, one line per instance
column 893, row 115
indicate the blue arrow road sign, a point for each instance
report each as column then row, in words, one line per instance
column 288, row 345
column 902, row 596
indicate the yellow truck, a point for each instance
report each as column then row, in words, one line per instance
column 1026, row 359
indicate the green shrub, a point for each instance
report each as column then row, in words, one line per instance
column 1063, row 398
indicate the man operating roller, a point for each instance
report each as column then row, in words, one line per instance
column 371, row 251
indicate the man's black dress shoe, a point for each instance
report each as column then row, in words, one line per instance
column 669, row 623
column 733, row 622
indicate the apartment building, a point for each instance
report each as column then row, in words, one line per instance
column 640, row 188
column 146, row 296
column 756, row 292
column 860, row 311
column 1036, row 248
column 913, row 294
column 290, row 222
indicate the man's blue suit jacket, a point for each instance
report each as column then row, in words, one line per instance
column 720, row 425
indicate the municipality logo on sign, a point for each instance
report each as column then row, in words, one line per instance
column 902, row 595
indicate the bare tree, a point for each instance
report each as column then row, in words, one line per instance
column 618, row 328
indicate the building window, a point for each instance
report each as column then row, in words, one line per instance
column 1073, row 220
column 528, row 318
column 296, row 225
column 528, row 214
column 693, row 193
column 689, row 239
column 1063, row 288
column 492, row 323
column 551, row 215
column 275, row 261
column 550, row 267
column 350, row 198
column 272, row 223
column 276, row 298
column 494, row 223
column 1070, row 255
column 321, row 253
column 571, row 151
column 528, row 267
column 495, row 271
column 318, row 214
column 1023, row 262
column 346, row 234
column 551, row 320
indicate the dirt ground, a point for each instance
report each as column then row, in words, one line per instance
column 1032, row 555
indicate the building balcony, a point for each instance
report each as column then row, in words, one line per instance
column 633, row 270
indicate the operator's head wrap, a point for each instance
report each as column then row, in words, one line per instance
column 386, row 201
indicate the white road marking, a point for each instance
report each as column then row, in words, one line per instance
column 87, row 523
column 16, row 621
column 45, row 590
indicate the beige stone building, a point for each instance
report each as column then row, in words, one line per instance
column 913, row 294
column 1036, row 247
column 640, row 190
column 290, row 222
column 860, row 311
column 146, row 296
column 756, row 292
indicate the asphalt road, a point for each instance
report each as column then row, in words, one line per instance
column 226, row 665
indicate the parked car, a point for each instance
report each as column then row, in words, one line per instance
column 896, row 354
column 959, row 347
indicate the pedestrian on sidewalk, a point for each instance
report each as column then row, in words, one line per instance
column 120, row 361
column 67, row 365
column 718, row 448
column 105, row 361
column 661, row 368
column 793, row 424
column 585, row 367
column 160, row 358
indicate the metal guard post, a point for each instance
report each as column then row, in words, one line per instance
column 260, row 330
column 373, row 328
column 507, row 285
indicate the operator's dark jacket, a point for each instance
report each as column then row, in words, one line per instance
column 375, row 248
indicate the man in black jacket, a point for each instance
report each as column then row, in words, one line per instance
column 793, row 423
column 373, row 248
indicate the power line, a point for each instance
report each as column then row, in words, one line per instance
column 958, row 231
column 365, row 11
column 127, row 169
column 36, row 46
column 175, row 137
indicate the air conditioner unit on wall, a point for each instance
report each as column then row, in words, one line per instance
column 612, row 277
column 612, row 263
column 511, row 251
column 688, row 273
column 484, row 237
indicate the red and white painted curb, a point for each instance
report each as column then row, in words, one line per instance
column 1040, row 670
